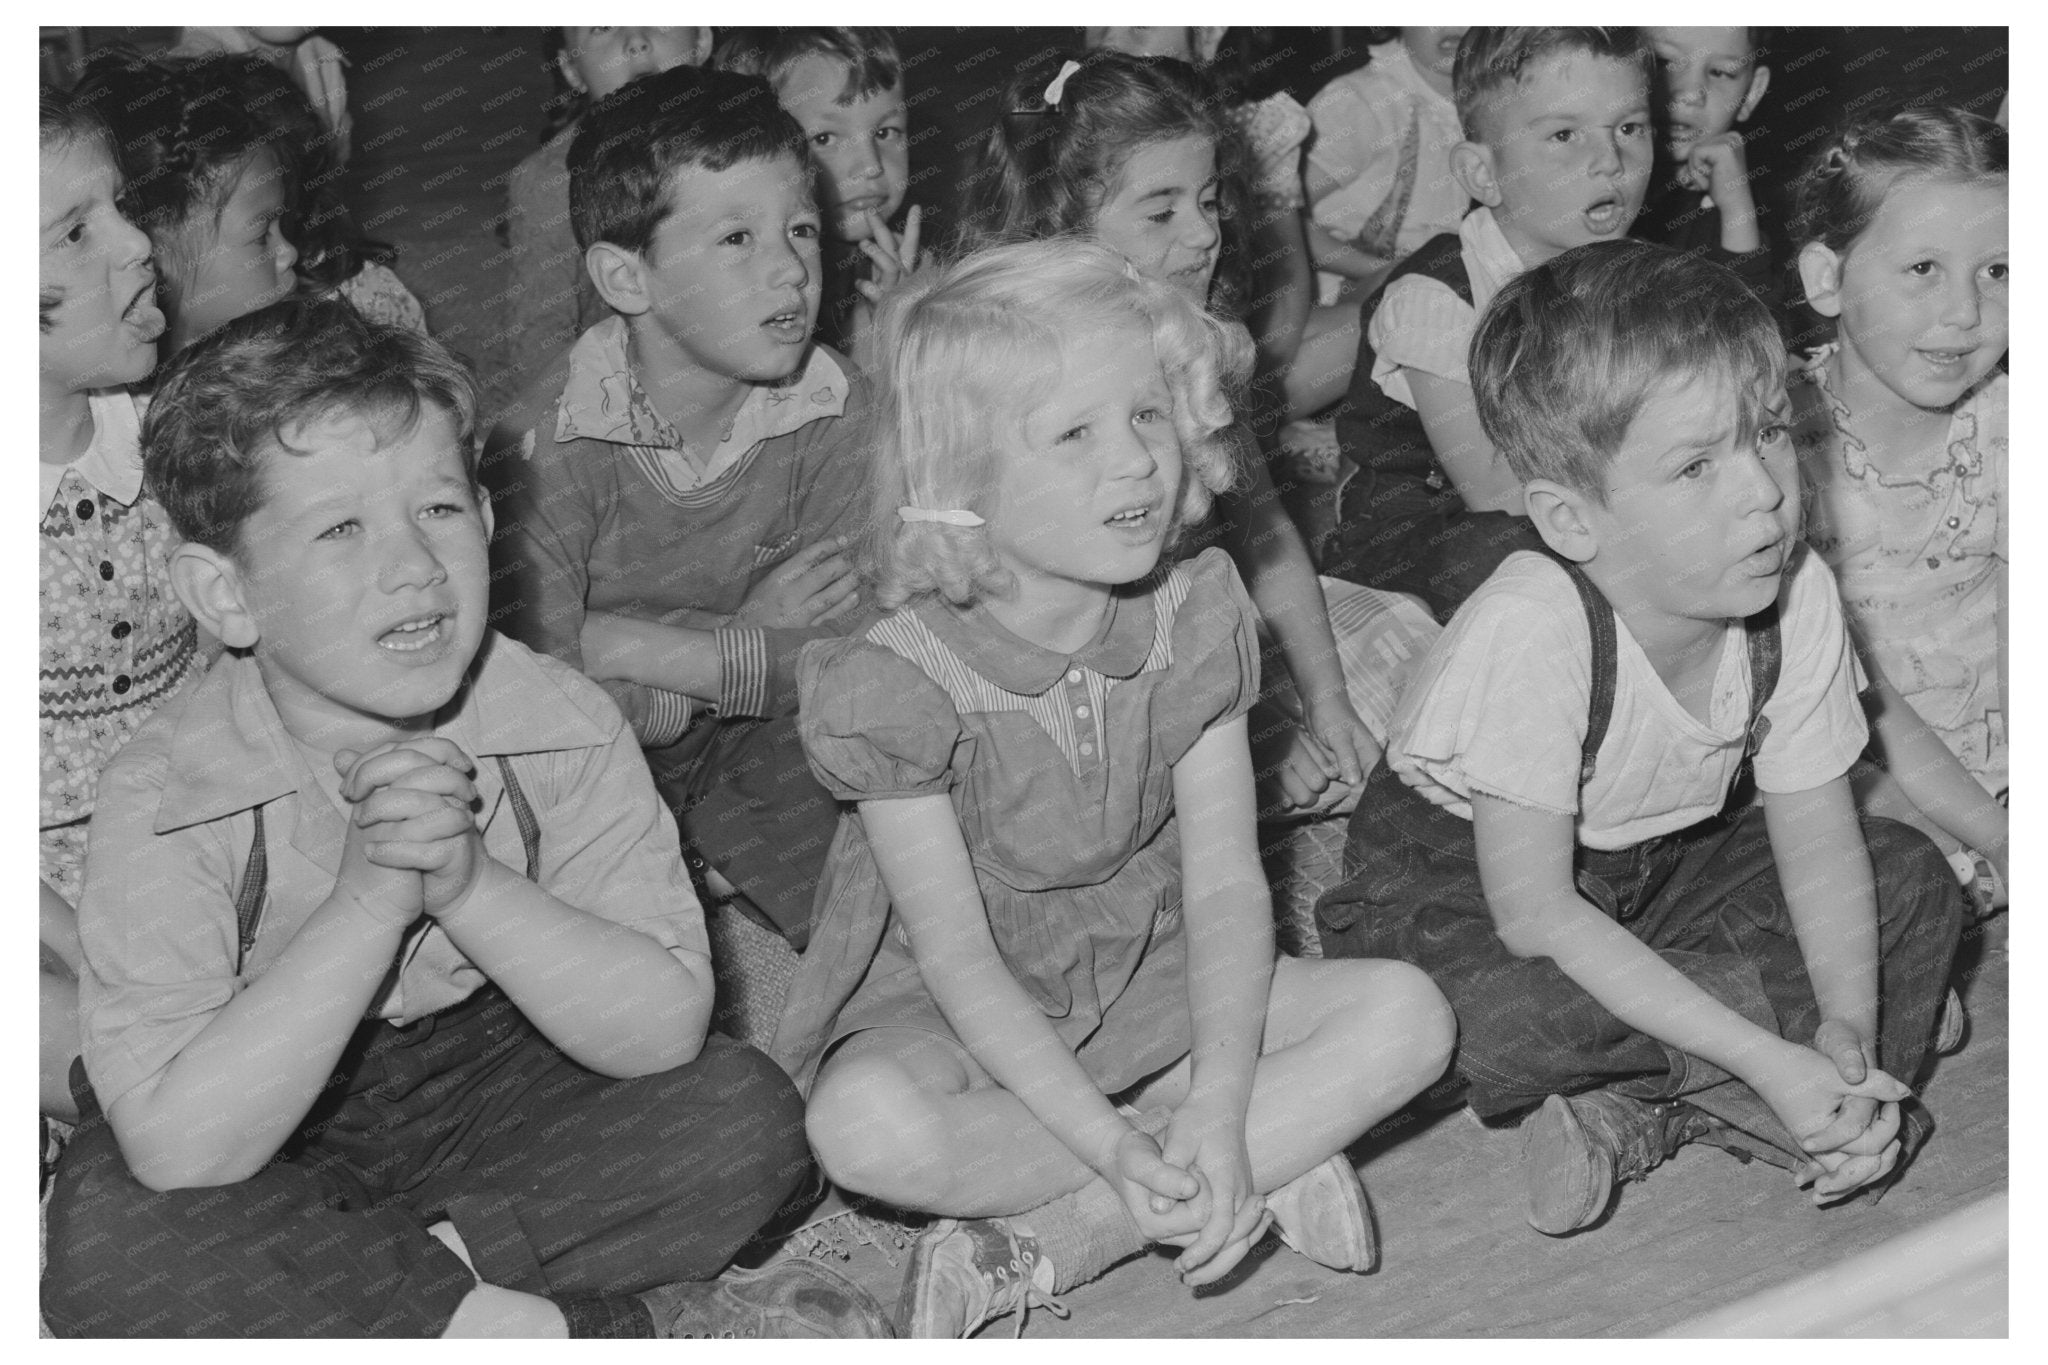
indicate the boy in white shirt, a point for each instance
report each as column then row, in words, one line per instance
column 1628, row 941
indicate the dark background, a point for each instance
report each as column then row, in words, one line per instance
column 443, row 115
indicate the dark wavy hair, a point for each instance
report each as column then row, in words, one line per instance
column 227, row 400
column 331, row 247
column 1845, row 181
column 634, row 140
column 1045, row 171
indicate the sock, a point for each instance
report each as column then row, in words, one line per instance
column 1081, row 1235
column 606, row 1315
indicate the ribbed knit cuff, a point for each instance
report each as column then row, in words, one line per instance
column 742, row 671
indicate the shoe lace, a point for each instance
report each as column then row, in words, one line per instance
column 1018, row 1277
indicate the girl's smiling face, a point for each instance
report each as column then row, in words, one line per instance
column 1161, row 213
column 235, row 263
column 1920, row 297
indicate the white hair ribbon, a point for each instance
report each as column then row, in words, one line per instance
column 950, row 517
column 1058, row 86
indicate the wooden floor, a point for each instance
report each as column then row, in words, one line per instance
column 1457, row 1259
column 1703, row 1232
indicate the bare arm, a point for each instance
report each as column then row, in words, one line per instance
column 1932, row 777
column 606, row 994
column 1525, row 859
column 1481, row 477
column 203, row 1120
column 1824, row 868
column 923, row 860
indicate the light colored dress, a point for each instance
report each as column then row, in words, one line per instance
column 1920, row 555
column 1385, row 137
column 1060, row 770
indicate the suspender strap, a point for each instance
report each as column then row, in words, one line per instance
column 529, row 828
column 1766, row 652
column 249, row 897
column 1765, row 655
column 1600, row 708
column 256, row 871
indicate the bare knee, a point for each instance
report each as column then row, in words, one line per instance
column 1413, row 1014
column 874, row 1131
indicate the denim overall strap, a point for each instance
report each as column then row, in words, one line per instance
column 1600, row 706
column 1766, row 653
column 256, row 872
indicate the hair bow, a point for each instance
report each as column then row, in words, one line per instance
column 1058, row 85
column 954, row 516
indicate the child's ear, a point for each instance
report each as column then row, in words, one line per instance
column 1820, row 273
column 210, row 586
column 1205, row 42
column 620, row 276
column 483, row 505
column 1759, row 81
column 1559, row 514
column 703, row 52
column 1472, row 168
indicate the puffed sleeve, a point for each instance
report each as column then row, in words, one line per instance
column 1421, row 324
column 873, row 724
column 1215, row 644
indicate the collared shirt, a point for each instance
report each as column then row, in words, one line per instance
column 172, row 835
column 115, row 640
column 599, row 512
column 604, row 401
column 1422, row 324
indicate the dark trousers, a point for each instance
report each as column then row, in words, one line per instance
column 748, row 804
column 1707, row 899
column 1437, row 550
column 561, row 1182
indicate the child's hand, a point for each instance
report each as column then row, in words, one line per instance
column 393, row 895
column 892, row 257
column 1850, row 1128
column 1165, row 1201
column 1210, row 1142
column 1347, row 740
column 1719, row 166
column 432, row 826
column 812, row 586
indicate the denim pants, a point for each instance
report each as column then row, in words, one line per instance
column 1706, row 898
column 560, row 1181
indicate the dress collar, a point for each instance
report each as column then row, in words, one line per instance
column 1014, row 664
column 112, row 463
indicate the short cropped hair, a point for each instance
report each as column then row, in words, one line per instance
column 1845, row 181
column 873, row 66
column 1568, row 353
column 628, row 148
column 967, row 349
column 228, row 398
column 1493, row 60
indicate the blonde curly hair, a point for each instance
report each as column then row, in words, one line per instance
column 966, row 349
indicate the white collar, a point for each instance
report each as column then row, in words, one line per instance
column 112, row 462
column 1490, row 260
